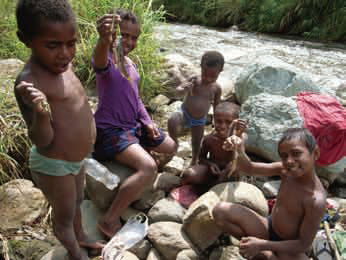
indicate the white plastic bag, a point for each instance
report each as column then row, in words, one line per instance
column 133, row 231
column 101, row 173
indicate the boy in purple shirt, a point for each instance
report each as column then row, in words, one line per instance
column 125, row 131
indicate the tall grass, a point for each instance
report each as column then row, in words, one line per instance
column 14, row 143
column 313, row 19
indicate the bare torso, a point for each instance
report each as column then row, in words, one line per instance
column 72, row 119
column 199, row 98
column 290, row 208
column 213, row 145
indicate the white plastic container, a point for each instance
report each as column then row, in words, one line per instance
column 133, row 231
column 101, row 173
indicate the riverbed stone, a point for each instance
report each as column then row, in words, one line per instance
column 166, row 209
column 268, row 116
column 141, row 249
column 147, row 199
column 176, row 69
column 198, row 223
column 20, row 203
column 276, row 78
column 154, row 255
column 231, row 252
column 9, row 68
column 166, row 181
column 188, row 255
column 168, row 239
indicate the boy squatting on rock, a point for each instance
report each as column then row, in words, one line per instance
column 214, row 162
column 125, row 132
column 289, row 232
column 63, row 134
column 200, row 92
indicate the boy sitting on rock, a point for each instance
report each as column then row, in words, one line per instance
column 216, row 163
column 289, row 231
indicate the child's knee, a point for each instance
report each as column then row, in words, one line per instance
column 219, row 213
column 187, row 176
column 149, row 170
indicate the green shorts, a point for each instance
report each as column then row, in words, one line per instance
column 49, row 166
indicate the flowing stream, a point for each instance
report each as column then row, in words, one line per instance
column 323, row 64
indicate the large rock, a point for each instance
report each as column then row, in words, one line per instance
column 198, row 222
column 154, row 255
column 166, row 209
column 276, row 78
column 268, row 116
column 176, row 70
column 168, row 239
column 20, row 203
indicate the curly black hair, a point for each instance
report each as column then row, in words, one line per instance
column 213, row 59
column 31, row 14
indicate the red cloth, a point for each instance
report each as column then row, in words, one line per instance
column 325, row 118
column 185, row 195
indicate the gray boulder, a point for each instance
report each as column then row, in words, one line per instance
column 276, row 78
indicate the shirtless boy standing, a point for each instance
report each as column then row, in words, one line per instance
column 289, row 231
column 214, row 161
column 57, row 113
column 200, row 92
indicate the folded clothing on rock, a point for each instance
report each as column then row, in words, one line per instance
column 325, row 118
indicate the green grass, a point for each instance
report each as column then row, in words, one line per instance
column 14, row 143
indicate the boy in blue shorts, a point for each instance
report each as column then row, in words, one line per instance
column 58, row 116
column 125, row 131
column 200, row 92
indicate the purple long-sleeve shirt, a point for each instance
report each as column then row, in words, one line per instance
column 119, row 104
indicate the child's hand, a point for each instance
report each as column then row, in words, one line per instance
column 106, row 27
column 239, row 126
column 152, row 131
column 249, row 247
column 214, row 168
column 232, row 143
column 31, row 96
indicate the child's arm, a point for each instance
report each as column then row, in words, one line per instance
column 217, row 96
column 186, row 86
column 105, row 27
column 203, row 157
column 38, row 120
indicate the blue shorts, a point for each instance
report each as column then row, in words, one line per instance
column 49, row 166
column 110, row 141
column 190, row 122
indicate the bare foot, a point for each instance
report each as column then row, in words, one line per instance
column 108, row 230
column 94, row 247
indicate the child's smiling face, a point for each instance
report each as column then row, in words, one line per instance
column 223, row 121
column 296, row 158
column 55, row 47
column 129, row 35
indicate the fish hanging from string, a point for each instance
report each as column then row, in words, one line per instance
column 118, row 52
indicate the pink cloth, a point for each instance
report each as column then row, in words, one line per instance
column 185, row 195
column 325, row 118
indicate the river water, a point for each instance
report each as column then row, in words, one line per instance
column 323, row 64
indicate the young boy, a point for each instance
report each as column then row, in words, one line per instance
column 289, row 231
column 200, row 93
column 125, row 131
column 57, row 113
column 214, row 161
